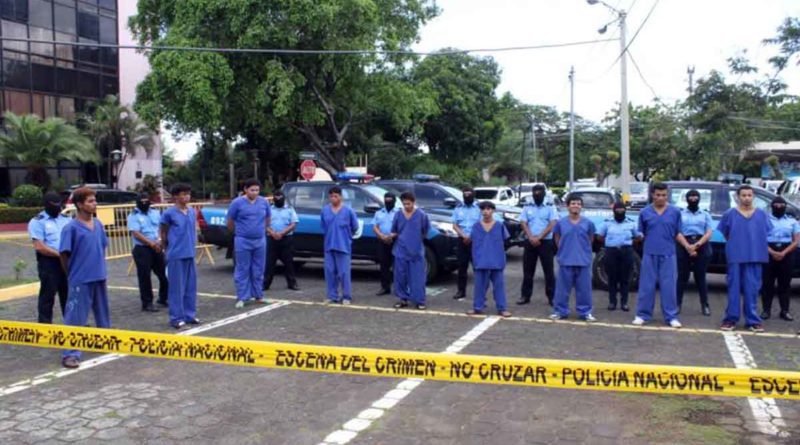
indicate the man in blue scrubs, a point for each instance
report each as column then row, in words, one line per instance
column 248, row 217
column 147, row 252
column 464, row 217
column 659, row 223
column 82, row 250
column 489, row 260
column 382, row 226
column 281, row 241
column 538, row 220
column 782, row 239
column 409, row 229
column 573, row 236
column 45, row 232
column 693, row 250
column 179, row 235
column 746, row 229
column 617, row 235
column 339, row 225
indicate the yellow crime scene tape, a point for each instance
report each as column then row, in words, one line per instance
column 543, row 373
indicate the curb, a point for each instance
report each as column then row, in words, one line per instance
column 21, row 291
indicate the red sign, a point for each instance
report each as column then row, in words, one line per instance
column 308, row 169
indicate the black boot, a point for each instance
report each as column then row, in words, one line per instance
column 612, row 305
column 523, row 300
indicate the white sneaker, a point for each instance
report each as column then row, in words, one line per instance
column 239, row 304
column 346, row 302
column 675, row 323
column 589, row 317
column 638, row 321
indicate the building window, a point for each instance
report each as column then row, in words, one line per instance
column 15, row 30
column 109, row 57
column 89, row 54
column 16, row 73
column 16, row 10
column 88, row 25
column 108, row 30
column 16, row 102
column 88, row 84
column 44, row 49
column 65, row 19
column 49, row 106
column 109, row 4
column 43, row 77
column 41, row 13
column 66, row 108
column 110, row 86
column 65, row 52
column 66, row 82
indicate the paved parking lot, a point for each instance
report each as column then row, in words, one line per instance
column 136, row 400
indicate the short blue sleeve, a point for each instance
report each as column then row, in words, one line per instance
column 724, row 225
column 103, row 237
column 553, row 213
column 36, row 230
column 557, row 229
column 66, row 239
column 454, row 218
column 592, row 229
column 603, row 229
column 506, row 235
column 294, row 217
column 233, row 209
column 708, row 222
column 166, row 218
column 353, row 221
column 269, row 211
column 133, row 223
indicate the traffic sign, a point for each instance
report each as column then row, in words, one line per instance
column 314, row 156
column 308, row 169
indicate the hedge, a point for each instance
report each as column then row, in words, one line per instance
column 17, row 215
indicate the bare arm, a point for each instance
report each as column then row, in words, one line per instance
column 64, row 256
column 43, row 249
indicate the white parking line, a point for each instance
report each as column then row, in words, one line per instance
column 364, row 419
column 107, row 358
column 766, row 413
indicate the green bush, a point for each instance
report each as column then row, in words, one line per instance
column 27, row 195
column 17, row 215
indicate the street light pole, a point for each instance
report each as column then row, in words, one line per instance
column 535, row 165
column 571, row 126
column 625, row 142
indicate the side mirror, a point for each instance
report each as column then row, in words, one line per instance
column 525, row 200
column 450, row 202
column 372, row 207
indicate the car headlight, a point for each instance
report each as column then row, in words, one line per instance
column 445, row 228
column 512, row 216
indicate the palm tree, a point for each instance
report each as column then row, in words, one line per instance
column 113, row 126
column 38, row 144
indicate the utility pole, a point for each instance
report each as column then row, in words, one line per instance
column 522, row 163
column 571, row 126
column 535, row 165
column 625, row 142
column 690, row 72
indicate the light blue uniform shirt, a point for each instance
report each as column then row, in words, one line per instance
column 282, row 217
column 147, row 224
column 383, row 219
column 783, row 229
column 618, row 234
column 539, row 217
column 47, row 229
column 695, row 223
column 465, row 217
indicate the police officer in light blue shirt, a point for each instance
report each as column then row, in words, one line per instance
column 464, row 217
column 281, row 241
column 618, row 234
column 693, row 251
column 148, row 254
column 45, row 232
column 382, row 226
column 538, row 220
column 783, row 240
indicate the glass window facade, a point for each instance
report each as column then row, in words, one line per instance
column 57, row 80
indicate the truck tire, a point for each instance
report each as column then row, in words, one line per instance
column 600, row 278
column 432, row 265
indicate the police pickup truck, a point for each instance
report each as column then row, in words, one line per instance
column 308, row 198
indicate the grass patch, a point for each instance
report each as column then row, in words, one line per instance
column 10, row 282
column 689, row 420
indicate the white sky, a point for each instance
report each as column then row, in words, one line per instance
column 702, row 33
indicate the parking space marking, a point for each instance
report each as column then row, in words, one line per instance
column 107, row 358
column 364, row 419
column 766, row 413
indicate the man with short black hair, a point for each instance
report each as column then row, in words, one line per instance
column 179, row 235
column 45, row 233
column 573, row 235
column 489, row 260
column 339, row 225
column 409, row 229
column 248, row 217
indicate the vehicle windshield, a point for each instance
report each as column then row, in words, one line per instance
column 596, row 199
column 639, row 188
column 375, row 191
column 485, row 194
column 454, row 192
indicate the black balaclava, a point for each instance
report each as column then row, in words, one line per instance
column 278, row 199
column 389, row 200
column 469, row 197
column 693, row 200
column 619, row 211
column 52, row 204
column 538, row 195
column 143, row 203
column 779, row 207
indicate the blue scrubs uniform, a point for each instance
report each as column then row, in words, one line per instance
column 52, row 278
column 181, row 239
column 87, row 275
column 746, row 253
column 409, row 255
column 659, row 266
column 249, row 245
column 338, row 229
column 489, row 262
column 574, row 266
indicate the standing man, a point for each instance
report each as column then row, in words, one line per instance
column 659, row 223
column 45, row 232
column 746, row 229
column 409, row 229
column 489, row 261
column 464, row 218
column 617, row 235
column 339, row 225
column 382, row 226
column 573, row 237
column 82, row 250
column 538, row 220
column 283, row 221
column 693, row 251
column 179, row 235
column 248, row 218
column 782, row 239
column 147, row 252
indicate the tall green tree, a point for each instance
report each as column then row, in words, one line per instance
column 38, row 144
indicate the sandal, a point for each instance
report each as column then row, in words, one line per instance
column 504, row 314
column 474, row 312
column 401, row 304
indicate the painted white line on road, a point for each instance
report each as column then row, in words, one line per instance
column 766, row 413
column 106, row 358
column 364, row 419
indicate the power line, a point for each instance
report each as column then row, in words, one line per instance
column 641, row 76
column 307, row 51
column 646, row 18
